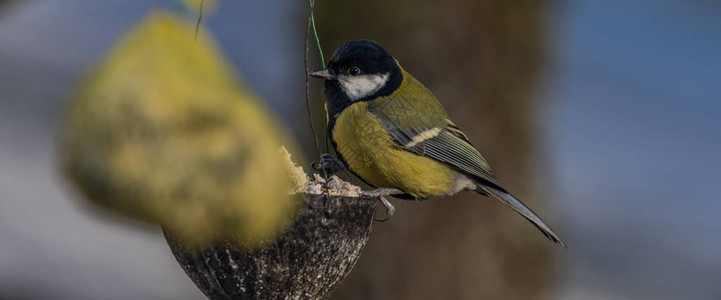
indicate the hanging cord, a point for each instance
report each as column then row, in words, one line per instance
column 322, row 62
column 197, row 30
column 200, row 18
column 315, row 33
column 310, row 24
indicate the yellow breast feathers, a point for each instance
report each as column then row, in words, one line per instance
column 371, row 153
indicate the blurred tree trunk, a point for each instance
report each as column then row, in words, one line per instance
column 481, row 59
column 3, row 2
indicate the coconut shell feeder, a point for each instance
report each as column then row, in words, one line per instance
column 307, row 261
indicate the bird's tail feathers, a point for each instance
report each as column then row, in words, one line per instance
column 522, row 209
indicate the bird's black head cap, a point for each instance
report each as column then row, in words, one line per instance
column 369, row 56
column 358, row 58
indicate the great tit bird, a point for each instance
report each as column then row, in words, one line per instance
column 391, row 132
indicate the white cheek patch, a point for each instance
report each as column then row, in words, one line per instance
column 357, row 87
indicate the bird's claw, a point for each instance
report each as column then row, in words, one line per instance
column 381, row 195
column 328, row 164
column 390, row 210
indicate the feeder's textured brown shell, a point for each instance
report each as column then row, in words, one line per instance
column 307, row 262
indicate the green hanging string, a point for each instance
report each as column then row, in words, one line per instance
column 315, row 33
column 322, row 62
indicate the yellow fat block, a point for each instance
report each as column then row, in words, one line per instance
column 163, row 131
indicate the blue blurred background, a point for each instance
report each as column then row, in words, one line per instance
column 631, row 142
column 635, row 144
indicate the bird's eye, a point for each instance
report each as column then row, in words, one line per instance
column 353, row 71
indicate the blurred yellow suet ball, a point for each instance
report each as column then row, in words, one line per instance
column 163, row 131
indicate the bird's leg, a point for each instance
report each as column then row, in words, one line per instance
column 381, row 194
column 390, row 209
column 328, row 164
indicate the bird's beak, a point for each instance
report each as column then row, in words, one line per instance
column 322, row 73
